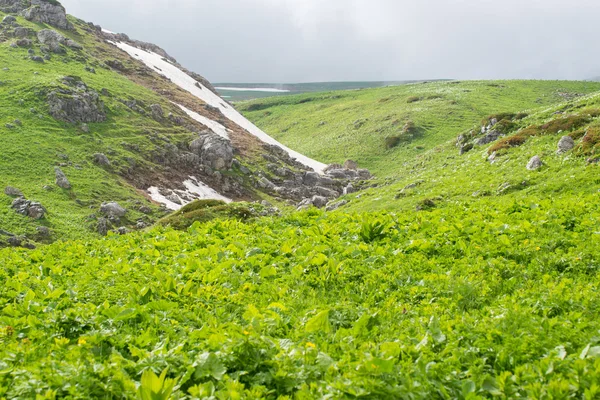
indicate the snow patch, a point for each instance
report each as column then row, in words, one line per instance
column 186, row 82
column 107, row 31
column 212, row 125
column 196, row 190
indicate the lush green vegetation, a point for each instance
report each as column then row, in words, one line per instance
column 468, row 277
column 487, row 300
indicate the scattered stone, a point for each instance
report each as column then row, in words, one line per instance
column 264, row 183
column 319, row 201
column 113, row 209
column 43, row 231
column 12, row 191
column 122, row 230
column 84, row 128
column 350, row 164
column 490, row 137
column 157, row 112
column 37, row 59
column 565, row 144
column 535, row 163
column 349, row 189
column 21, row 32
column 145, row 210
column 466, row 148
column 101, row 159
column 9, row 19
column 9, row 126
column 336, row 205
column 174, row 198
column 311, row 178
column 103, row 226
column 28, row 208
column 61, row 179
column 18, row 122
column 24, row 42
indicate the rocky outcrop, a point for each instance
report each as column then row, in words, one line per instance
column 101, row 159
column 54, row 41
column 79, row 104
column 113, row 209
column 47, row 12
column 29, row 208
column 213, row 150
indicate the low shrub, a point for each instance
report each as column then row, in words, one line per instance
column 392, row 141
column 204, row 211
column 565, row 124
column 413, row 99
column 590, row 144
column 507, row 143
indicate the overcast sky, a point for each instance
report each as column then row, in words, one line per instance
column 342, row 40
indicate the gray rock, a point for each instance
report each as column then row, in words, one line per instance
column 24, row 42
column 37, row 59
column 214, row 151
column 157, row 112
column 264, row 183
column 84, row 128
column 491, row 136
column 28, row 208
column 113, row 209
column 12, row 191
column 21, row 32
column 51, row 13
column 122, row 230
column 319, row 201
column 9, row 19
column 43, row 231
column 311, row 179
column 101, row 159
column 336, row 205
column 103, row 226
column 350, row 164
column 565, row 144
column 349, row 189
column 174, row 198
column 535, row 163
column 52, row 39
column 77, row 106
column 325, row 192
column 61, row 179
column 145, row 210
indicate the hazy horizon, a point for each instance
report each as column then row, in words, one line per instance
column 305, row 41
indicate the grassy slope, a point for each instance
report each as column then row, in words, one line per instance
column 30, row 152
column 297, row 120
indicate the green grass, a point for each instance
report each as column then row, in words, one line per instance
column 335, row 126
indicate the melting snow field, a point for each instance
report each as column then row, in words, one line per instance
column 186, row 82
column 195, row 189
column 240, row 89
column 213, row 125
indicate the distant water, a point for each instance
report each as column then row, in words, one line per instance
column 241, row 89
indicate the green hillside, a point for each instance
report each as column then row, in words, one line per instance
column 468, row 268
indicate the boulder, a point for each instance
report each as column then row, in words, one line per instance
column 113, row 209
column 535, row 163
column 157, row 112
column 490, row 137
column 24, row 42
column 21, row 32
column 101, row 159
column 325, row 192
column 103, row 226
column 9, row 19
column 12, row 191
column 565, row 144
column 29, row 208
column 214, row 151
column 47, row 12
column 319, row 201
column 311, row 179
column 76, row 106
column 350, row 164
column 61, row 179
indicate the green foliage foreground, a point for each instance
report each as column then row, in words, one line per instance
column 476, row 300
